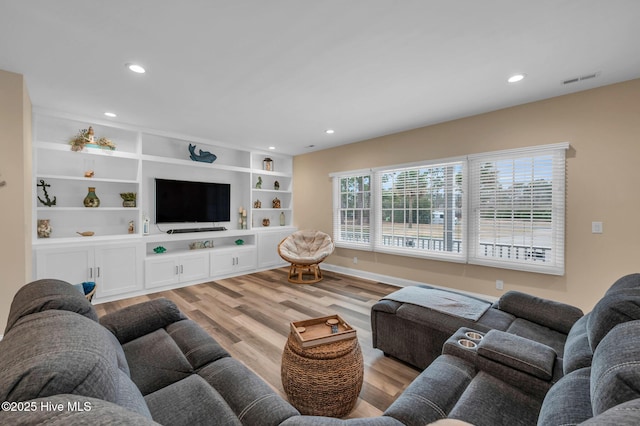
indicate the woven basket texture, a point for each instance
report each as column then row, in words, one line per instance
column 323, row 380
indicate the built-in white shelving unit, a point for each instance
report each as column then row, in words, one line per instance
column 122, row 262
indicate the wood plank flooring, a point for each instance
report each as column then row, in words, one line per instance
column 250, row 315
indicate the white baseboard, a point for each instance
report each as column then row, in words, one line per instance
column 399, row 282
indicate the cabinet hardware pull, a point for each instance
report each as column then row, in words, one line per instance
column 181, row 269
column 98, row 272
column 90, row 272
column 177, row 270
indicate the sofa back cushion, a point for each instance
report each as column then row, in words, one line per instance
column 615, row 371
column 631, row 281
column 555, row 315
column 577, row 351
column 61, row 352
column 614, row 308
column 48, row 294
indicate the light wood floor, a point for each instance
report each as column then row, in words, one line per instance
column 250, row 315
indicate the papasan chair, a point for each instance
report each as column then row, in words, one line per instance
column 305, row 249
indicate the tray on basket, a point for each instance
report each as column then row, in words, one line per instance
column 317, row 332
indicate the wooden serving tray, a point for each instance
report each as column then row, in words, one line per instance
column 317, row 332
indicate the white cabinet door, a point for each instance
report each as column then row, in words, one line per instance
column 245, row 259
column 160, row 271
column 222, row 262
column 268, row 248
column 118, row 269
column 71, row 264
column 194, row 267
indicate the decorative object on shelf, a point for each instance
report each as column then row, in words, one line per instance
column 145, row 225
column 48, row 201
column 44, row 228
column 276, row 203
column 85, row 137
column 202, row 156
column 239, row 242
column 128, row 199
column 131, row 228
column 282, row 219
column 201, row 245
column 242, row 218
column 92, row 200
column 89, row 167
column 276, row 185
column 159, row 250
column 86, row 233
column 266, row 221
column 267, row 164
column 257, row 204
column 259, row 183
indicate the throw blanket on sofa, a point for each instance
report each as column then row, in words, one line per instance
column 442, row 301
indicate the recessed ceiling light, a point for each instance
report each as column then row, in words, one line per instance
column 272, row 147
column 329, row 131
column 136, row 68
column 110, row 114
column 516, row 78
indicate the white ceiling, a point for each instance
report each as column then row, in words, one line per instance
column 260, row 73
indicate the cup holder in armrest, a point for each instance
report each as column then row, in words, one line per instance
column 474, row 335
column 467, row 343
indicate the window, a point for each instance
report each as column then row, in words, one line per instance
column 421, row 211
column 517, row 209
column 502, row 209
column 352, row 211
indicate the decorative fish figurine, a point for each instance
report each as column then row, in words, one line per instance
column 204, row 156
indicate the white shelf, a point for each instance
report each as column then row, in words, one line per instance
column 270, row 173
column 84, row 179
column 52, row 146
column 86, row 240
column 189, row 163
column 87, row 209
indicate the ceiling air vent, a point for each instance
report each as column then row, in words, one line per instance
column 581, row 78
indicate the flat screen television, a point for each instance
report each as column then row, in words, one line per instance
column 185, row 201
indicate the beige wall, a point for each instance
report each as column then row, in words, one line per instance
column 15, row 195
column 603, row 178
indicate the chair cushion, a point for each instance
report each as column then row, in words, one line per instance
column 617, row 307
column 554, row 315
column 577, row 351
column 568, row 401
column 631, row 281
column 306, row 247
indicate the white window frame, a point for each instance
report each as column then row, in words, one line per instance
column 553, row 261
column 338, row 227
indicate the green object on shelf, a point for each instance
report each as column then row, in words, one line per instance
column 239, row 242
column 159, row 249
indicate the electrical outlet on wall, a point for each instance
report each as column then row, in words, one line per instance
column 355, row 260
column 499, row 285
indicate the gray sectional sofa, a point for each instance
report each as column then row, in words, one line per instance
column 149, row 364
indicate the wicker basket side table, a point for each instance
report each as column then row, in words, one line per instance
column 323, row 380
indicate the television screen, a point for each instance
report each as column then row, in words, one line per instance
column 185, row 201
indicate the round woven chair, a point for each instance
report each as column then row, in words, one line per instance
column 305, row 250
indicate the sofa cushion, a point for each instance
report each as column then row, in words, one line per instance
column 577, row 351
column 189, row 402
column 54, row 352
column 539, row 333
column 195, row 343
column 568, row 401
column 488, row 401
column 156, row 361
column 631, row 281
column 250, row 398
column 433, row 394
column 615, row 308
column 555, row 315
column 615, row 372
column 48, row 294
column 143, row 318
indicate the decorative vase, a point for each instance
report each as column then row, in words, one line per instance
column 91, row 200
column 276, row 203
column 266, row 222
column 282, row 219
column 267, row 164
column 44, row 228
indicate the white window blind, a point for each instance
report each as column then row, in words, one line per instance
column 352, row 210
column 517, row 209
column 419, row 211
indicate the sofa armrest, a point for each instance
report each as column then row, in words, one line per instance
column 138, row 320
column 555, row 315
column 518, row 353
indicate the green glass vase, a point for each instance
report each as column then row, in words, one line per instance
column 91, row 200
